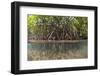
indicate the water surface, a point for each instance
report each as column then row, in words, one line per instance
column 57, row 50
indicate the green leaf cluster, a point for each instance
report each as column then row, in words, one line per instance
column 46, row 27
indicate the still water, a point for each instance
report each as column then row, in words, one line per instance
column 57, row 50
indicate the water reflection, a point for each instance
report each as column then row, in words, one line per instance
column 54, row 47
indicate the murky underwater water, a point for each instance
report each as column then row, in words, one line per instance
column 57, row 50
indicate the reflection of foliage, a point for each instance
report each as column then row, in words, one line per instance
column 57, row 27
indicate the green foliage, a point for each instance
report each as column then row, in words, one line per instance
column 81, row 23
column 45, row 27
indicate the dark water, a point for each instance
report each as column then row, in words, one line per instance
column 60, row 47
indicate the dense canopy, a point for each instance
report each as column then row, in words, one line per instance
column 46, row 27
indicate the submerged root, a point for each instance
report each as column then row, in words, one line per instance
column 54, row 55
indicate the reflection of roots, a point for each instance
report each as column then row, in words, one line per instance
column 54, row 55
